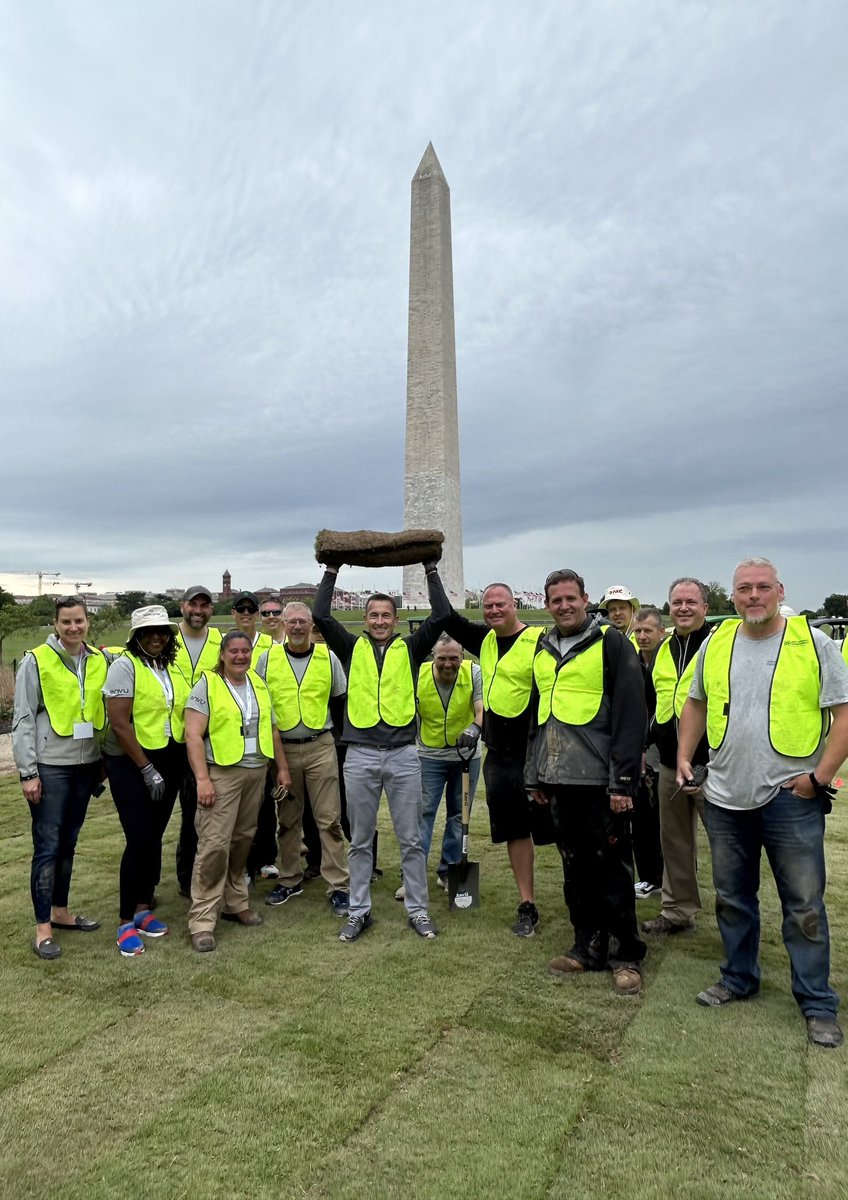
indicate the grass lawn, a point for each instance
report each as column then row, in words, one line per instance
column 290, row 1065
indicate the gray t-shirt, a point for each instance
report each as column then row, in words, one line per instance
column 746, row 772
column 299, row 663
column 199, row 701
column 448, row 753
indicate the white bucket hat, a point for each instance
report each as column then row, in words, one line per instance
column 151, row 616
column 617, row 592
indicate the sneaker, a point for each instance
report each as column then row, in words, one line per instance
column 718, row 994
column 149, row 925
column 824, row 1031
column 281, row 894
column 627, row 981
column 355, row 927
column 643, row 889
column 340, row 903
column 269, row 872
column 129, row 943
column 400, row 894
column 661, row 924
column 528, row 919
column 423, row 926
column 442, row 882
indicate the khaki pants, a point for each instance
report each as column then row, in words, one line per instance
column 314, row 768
column 681, row 900
column 224, row 835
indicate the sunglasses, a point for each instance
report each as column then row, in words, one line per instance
column 271, row 612
column 245, row 608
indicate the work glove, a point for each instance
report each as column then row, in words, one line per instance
column 469, row 737
column 154, row 781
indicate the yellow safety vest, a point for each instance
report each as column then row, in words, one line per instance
column 387, row 695
column 441, row 726
column 226, row 721
column 152, row 714
column 507, row 680
column 66, row 699
column 263, row 643
column 671, row 689
column 207, row 660
column 796, row 723
column 306, row 701
column 574, row 691
column 845, row 647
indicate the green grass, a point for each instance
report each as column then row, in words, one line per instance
column 288, row 1064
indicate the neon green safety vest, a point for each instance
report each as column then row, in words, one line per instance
column 387, row 695
column 207, row 660
column 226, row 720
column 152, row 714
column 796, row 723
column 306, row 701
column 574, row 691
column 671, row 689
column 66, row 700
column 263, row 642
column 441, row 726
column 845, row 647
column 507, row 680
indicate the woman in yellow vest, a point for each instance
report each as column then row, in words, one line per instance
column 231, row 735
column 56, row 732
column 145, row 762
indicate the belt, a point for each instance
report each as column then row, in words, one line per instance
column 303, row 741
column 374, row 746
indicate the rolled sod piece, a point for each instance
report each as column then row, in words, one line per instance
column 370, row 548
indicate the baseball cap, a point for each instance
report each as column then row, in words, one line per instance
column 617, row 592
column 197, row 590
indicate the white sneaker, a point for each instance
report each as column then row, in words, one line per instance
column 269, row 872
column 643, row 889
column 400, row 894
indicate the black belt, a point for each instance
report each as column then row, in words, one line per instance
column 303, row 741
column 374, row 746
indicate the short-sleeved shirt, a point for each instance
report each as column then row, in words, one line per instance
column 198, row 701
column 746, row 772
column 448, row 753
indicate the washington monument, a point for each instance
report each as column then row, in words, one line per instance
column 432, row 489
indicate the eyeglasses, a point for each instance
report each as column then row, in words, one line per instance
column 271, row 612
column 245, row 608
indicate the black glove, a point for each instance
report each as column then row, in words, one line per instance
column 469, row 737
column 154, row 781
column 430, row 565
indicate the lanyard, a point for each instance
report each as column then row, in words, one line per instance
column 246, row 707
column 79, row 670
column 164, row 681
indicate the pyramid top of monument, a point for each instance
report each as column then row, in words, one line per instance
column 429, row 164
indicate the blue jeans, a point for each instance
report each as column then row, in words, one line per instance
column 791, row 831
column 439, row 775
column 368, row 772
column 56, row 822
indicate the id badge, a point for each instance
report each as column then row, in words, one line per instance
column 250, row 745
column 83, row 730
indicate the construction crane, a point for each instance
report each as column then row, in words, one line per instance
column 78, row 585
column 41, row 575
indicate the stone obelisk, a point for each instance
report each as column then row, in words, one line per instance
column 432, row 488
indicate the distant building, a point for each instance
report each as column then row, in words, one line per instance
column 226, row 589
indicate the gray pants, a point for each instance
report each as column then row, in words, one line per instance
column 367, row 773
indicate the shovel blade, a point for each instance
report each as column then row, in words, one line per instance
column 464, row 885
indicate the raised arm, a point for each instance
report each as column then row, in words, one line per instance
column 339, row 639
column 424, row 639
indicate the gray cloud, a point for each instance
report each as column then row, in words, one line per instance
column 203, row 241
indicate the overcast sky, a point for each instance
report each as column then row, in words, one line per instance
column 204, row 223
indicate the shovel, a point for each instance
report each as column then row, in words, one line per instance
column 464, row 876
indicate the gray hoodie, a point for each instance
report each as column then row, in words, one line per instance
column 33, row 738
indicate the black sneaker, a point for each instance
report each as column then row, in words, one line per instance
column 528, row 919
column 281, row 894
column 355, row 927
column 423, row 926
column 824, row 1031
column 340, row 903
